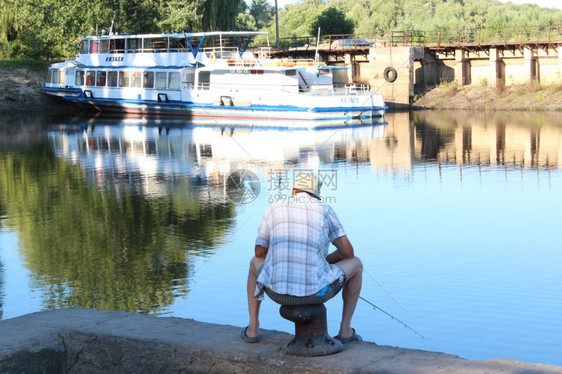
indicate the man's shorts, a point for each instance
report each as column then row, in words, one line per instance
column 321, row 297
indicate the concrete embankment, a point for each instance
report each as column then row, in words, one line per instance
column 87, row 341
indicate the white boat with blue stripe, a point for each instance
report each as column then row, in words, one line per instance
column 208, row 75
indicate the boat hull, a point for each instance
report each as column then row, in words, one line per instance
column 219, row 112
column 66, row 92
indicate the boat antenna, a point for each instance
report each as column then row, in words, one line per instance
column 317, row 46
column 111, row 27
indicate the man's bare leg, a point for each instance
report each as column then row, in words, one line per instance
column 253, row 303
column 353, row 269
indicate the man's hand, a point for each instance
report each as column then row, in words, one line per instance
column 344, row 250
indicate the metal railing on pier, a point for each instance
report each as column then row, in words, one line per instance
column 446, row 38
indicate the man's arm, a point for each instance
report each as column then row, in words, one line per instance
column 344, row 250
column 260, row 251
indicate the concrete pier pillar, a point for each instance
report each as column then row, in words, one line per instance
column 531, row 64
column 350, row 61
column 429, row 69
column 497, row 75
column 461, row 70
column 493, row 67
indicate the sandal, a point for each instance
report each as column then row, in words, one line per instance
column 248, row 339
column 352, row 338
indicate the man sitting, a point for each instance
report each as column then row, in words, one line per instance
column 291, row 258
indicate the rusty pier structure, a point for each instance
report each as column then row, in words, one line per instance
column 400, row 64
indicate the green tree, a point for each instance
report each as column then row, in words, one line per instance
column 332, row 21
column 179, row 16
column 359, row 12
column 386, row 15
column 295, row 20
column 219, row 15
column 245, row 22
column 262, row 12
column 50, row 28
column 138, row 16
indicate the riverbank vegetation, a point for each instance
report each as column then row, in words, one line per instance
column 50, row 29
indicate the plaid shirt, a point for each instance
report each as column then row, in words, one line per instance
column 297, row 233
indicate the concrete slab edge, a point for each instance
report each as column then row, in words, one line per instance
column 81, row 340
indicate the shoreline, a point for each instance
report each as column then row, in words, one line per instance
column 20, row 93
column 83, row 340
column 529, row 97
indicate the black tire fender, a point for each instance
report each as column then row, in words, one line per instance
column 390, row 74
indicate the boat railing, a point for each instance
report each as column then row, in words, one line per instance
column 264, row 52
column 288, row 63
column 221, row 52
column 338, row 89
column 350, row 88
column 318, row 89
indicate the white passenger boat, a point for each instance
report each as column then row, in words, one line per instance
column 212, row 75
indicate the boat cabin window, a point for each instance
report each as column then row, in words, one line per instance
column 134, row 45
column 324, row 71
column 90, row 78
column 204, row 77
column 159, row 44
column 124, row 78
column 55, row 76
column 117, row 46
column 291, row 72
column 178, row 45
column 101, row 77
column 136, row 78
column 112, row 79
column 174, row 81
column 160, row 80
column 79, row 78
column 148, row 79
column 84, row 44
column 104, row 46
column 94, row 46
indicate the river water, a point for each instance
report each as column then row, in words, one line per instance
column 456, row 216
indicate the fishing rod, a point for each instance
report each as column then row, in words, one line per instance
column 393, row 299
column 391, row 316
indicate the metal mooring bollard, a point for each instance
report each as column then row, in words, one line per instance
column 311, row 331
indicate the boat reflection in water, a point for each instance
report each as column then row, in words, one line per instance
column 148, row 155
column 146, row 203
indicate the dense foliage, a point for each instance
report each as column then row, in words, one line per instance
column 374, row 16
column 50, row 28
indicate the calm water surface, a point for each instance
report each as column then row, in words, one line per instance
column 456, row 216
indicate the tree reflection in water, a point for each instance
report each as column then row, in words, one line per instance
column 106, row 248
